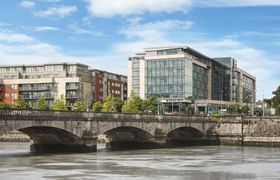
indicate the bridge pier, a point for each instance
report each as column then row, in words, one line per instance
column 160, row 138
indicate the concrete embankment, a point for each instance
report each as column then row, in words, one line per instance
column 14, row 136
column 263, row 131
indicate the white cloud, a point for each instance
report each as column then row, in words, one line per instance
column 153, row 30
column 110, row 8
column 46, row 28
column 27, row 4
column 78, row 30
column 60, row 12
column 234, row 3
column 15, row 37
column 50, row 1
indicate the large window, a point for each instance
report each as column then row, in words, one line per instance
column 166, row 78
column 200, row 82
column 168, row 51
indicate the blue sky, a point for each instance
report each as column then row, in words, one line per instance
column 104, row 33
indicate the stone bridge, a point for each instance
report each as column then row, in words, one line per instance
column 77, row 131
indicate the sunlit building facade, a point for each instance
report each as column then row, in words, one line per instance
column 181, row 77
column 73, row 81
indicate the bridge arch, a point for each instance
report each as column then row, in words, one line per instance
column 129, row 137
column 53, row 136
column 50, row 135
column 187, row 135
column 185, row 132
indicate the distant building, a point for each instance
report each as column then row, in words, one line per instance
column 181, row 76
column 105, row 83
column 74, row 81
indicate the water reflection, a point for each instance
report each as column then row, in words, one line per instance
column 213, row 162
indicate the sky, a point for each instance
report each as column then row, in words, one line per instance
column 104, row 33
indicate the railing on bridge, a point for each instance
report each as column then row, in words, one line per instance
column 101, row 116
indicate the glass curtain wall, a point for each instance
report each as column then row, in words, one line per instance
column 168, row 78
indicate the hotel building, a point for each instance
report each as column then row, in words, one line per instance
column 180, row 76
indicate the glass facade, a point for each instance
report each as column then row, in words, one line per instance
column 221, row 82
column 168, row 78
column 180, row 76
column 200, row 82
column 248, row 89
column 136, row 77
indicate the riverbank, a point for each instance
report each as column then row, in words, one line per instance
column 14, row 136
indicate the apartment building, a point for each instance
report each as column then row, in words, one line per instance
column 181, row 76
column 105, row 83
column 74, row 81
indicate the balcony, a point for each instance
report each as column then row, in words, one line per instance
column 72, row 86
column 34, row 88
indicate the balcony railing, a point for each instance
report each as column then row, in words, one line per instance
column 34, row 88
column 72, row 87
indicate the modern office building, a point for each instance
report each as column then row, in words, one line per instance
column 180, row 76
column 105, row 83
column 74, row 81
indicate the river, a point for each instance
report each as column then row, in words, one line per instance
column 202, row 162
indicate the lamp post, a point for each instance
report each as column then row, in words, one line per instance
column 221, row 100
column 263, row 104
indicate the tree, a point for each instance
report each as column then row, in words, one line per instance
column 80, row 105
column 275, row 100
column 277, row 110
column 20, row 103
column 3, row 105
column 59, row 104
column 118, row 104
column 133, row 104
column 245, row 109
column 108, row 104
column 97, row 106
column 41, row 104
column 151, row 105
column 235, row 108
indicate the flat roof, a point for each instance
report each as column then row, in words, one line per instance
column 45, row 64
column 107, row 72
column 176, row 47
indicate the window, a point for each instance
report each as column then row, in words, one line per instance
column 168, row 51
column 136, row 65
column 14, row 95
column 14, row 86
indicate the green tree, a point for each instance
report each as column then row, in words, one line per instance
column 190, row 110
column 97, row 106
column 59, row 104
column 20, row 103
column 234, row 109
column 275, row 100
column 108, row 104
column 41, row 104
column 118, row 104
column 151, row 104
column 80, row 105
column 3, row 105
column 277, row 110
column 133, row 104
column 245, row 109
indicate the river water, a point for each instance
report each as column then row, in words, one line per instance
column 202, row 162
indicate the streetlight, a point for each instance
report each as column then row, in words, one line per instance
column 221, row 100
column 263, row 105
